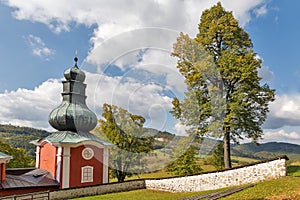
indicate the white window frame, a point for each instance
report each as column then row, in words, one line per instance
column 87, row 174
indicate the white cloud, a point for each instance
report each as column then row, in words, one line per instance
column 281, row 136
column 30, row 107
column 180, row 129
column 261, row 11
column 38, row 47
column 141, row 98
column 124, row 28
column 285, row 110
column 266, row 74
column 115, row 16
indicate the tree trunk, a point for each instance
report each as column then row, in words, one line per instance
column 227, row 159
column 121, row 176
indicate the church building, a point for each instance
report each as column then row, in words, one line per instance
column 71, row 156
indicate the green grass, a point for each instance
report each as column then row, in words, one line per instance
column 144, row 195
column 242, row 160
column 294, row 169
column 283, row 188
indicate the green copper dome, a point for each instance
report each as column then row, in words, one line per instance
column 73, row 114
column 74, row 73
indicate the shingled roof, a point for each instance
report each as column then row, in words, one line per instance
column 32, row 178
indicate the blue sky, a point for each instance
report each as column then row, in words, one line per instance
column 124, row 47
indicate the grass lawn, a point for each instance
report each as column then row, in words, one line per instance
column 143, row 195
column 283, row 188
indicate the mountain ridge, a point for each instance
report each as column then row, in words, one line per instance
column 18, row 136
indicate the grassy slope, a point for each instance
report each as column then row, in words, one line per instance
column 284, row 188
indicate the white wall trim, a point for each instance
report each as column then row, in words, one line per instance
column 66, row 167
column 58, row 163
column 105, row 164
column 89, row 142
column 37, row 156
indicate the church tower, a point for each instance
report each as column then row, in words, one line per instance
column 72, row 154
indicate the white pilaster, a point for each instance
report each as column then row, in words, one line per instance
column 66, row 167
column 58, row 164
column 105, row 164
column 37, row 157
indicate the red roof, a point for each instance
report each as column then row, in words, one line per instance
column 32, row 178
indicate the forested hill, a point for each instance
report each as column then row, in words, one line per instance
column 267, row 150
column 250, row 150
column 17, row 136
column 21, row 136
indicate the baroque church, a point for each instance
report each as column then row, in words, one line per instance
column 68, row 158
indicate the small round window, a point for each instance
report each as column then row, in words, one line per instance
column 87, row 153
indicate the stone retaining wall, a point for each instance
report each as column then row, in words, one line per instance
column 254, row 173
column 97, row 190
column 271, row 169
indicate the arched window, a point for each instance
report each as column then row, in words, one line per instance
column 87, row 174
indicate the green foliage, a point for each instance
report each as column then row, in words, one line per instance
column 20, row 158
column 217, row 157
column 224, row 94
column 186, row 163
column 125, row 130
column 20, row 137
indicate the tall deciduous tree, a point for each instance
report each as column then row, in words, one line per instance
column 223, row 84
column 125, row 130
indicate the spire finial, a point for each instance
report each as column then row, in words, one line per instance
column 76, row 59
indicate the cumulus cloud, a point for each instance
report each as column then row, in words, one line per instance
column 143, row 98
column 115, row 17
column 30, row 107
column 281, row 135
column 132, row 35
column 180, row 129
column 38, row 47
column 285, row 110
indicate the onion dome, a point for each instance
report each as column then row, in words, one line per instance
column 74, row 73
column 73, row 114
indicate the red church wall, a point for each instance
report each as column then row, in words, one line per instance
column 77, row 162
column 48, row 158
column 2, row 172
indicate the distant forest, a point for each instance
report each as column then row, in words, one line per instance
column 20, row 137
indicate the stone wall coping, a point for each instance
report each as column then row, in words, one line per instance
column 113, row 183
column 223, row 170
